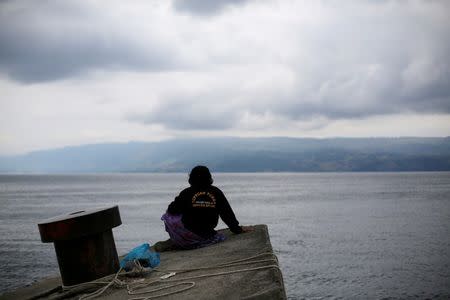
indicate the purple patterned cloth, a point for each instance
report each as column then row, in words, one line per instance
column 185, row 238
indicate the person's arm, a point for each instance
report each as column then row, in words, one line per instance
column 176, row 207
column 226, row 213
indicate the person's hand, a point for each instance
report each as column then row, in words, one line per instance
column 247, row 229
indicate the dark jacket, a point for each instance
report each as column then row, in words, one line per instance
column 201, row 207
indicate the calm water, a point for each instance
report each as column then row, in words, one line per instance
column 340, row 235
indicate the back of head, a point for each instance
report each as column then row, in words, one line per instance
column 200, row 176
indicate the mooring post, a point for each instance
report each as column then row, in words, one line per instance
column 84, row 243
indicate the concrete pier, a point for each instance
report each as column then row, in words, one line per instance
column 257, row 278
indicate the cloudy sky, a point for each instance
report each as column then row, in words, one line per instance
column 79, row 72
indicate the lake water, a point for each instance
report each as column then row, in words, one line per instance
column 337, row 235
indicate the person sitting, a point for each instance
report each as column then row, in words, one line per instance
column 190, row 219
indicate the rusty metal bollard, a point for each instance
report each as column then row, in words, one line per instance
column 84, row 243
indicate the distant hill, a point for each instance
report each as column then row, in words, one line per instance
column 241, row 155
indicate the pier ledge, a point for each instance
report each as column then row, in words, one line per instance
column 255, row 278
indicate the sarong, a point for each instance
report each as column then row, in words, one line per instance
column 183, row 237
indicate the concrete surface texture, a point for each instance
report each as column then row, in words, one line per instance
column 251, row 273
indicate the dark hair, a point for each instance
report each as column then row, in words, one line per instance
column 200, row 176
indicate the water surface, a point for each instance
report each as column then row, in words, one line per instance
column 337, row 235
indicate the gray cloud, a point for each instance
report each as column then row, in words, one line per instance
column 54, row 40
column 204, row 8
column 287, row 60
column 357, row 94
column 190, row 113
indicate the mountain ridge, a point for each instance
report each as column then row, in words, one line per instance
column 233, row 154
